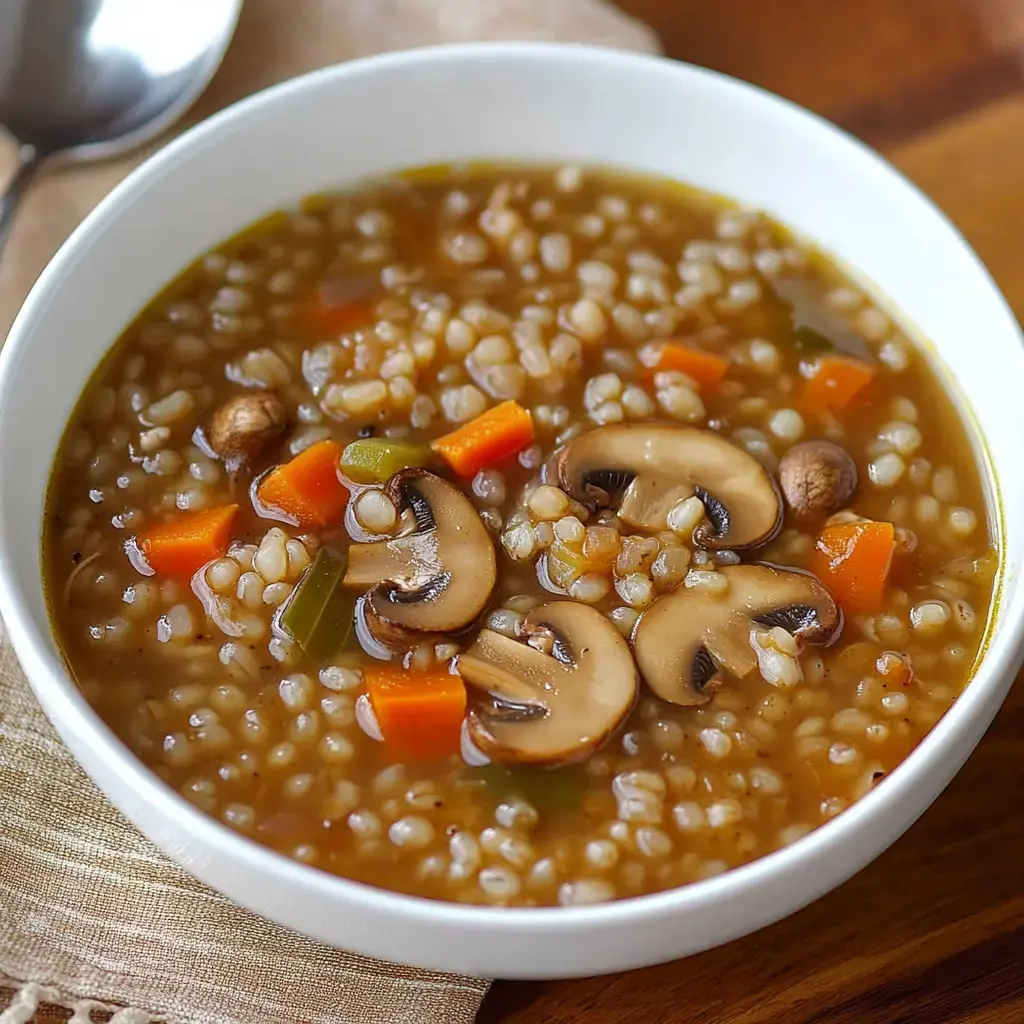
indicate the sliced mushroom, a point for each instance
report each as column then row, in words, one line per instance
column 650, row 468
column 549, row 708
column 689, row 639
column 245, row 428
column 817, row 478
column 436, row 578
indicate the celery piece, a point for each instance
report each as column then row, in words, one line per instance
column 319, row 614
column 554, row 790
column 374, row 460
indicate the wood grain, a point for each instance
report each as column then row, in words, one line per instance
column 884, row 69
column 933, row 931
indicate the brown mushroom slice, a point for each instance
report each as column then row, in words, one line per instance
column 549, row 708
column 688, row 639
column 436, row 578
column 650, row 468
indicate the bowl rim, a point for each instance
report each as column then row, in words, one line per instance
column 51, row 679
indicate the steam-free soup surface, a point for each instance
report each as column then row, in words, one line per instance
column 659, row 545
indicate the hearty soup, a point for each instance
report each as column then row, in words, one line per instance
column 518, row 536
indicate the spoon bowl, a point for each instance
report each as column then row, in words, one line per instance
column 90, row 79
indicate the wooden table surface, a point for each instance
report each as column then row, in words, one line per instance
column 933, row 931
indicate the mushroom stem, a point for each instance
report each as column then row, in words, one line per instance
column 408, row 562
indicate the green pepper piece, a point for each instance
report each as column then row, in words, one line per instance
column 320, row 613
column 374, row 460
column 559, row 789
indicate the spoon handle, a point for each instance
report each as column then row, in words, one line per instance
column 29, row 161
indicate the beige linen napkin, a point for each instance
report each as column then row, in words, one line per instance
column 92, row 917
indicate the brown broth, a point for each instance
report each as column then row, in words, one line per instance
column 258, row 735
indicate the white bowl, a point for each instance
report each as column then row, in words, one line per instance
column 523, row 103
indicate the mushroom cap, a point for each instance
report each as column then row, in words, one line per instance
column 244, row 428
column 549, row 709
column 435, row 579
column 687, row 639
column 654, row 467
column 817, row 478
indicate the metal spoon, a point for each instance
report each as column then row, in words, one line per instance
column 89, row 79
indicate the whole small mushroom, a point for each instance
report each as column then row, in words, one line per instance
column 245, row 427
column 817, row 478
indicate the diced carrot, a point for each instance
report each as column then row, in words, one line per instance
column 419, row 713
column 836, row 382
column 485, row 441
column 307, row 491
column 852, row 560
column 706, row 368
column 183, row 545
column 330, row 320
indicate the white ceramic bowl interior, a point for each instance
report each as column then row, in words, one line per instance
column 521, row 103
